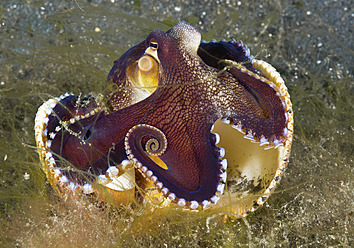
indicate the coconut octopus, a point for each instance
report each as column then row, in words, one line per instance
column 182, row 121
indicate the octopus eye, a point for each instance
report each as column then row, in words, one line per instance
column 154, row 45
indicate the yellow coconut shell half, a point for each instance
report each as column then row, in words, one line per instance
column 253, row 171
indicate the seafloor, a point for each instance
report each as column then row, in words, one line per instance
column 51, row 47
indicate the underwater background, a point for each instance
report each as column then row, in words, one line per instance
column 48, row 48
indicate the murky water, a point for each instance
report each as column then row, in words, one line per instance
column 47, row 49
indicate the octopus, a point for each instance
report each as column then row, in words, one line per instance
column 181, row 123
